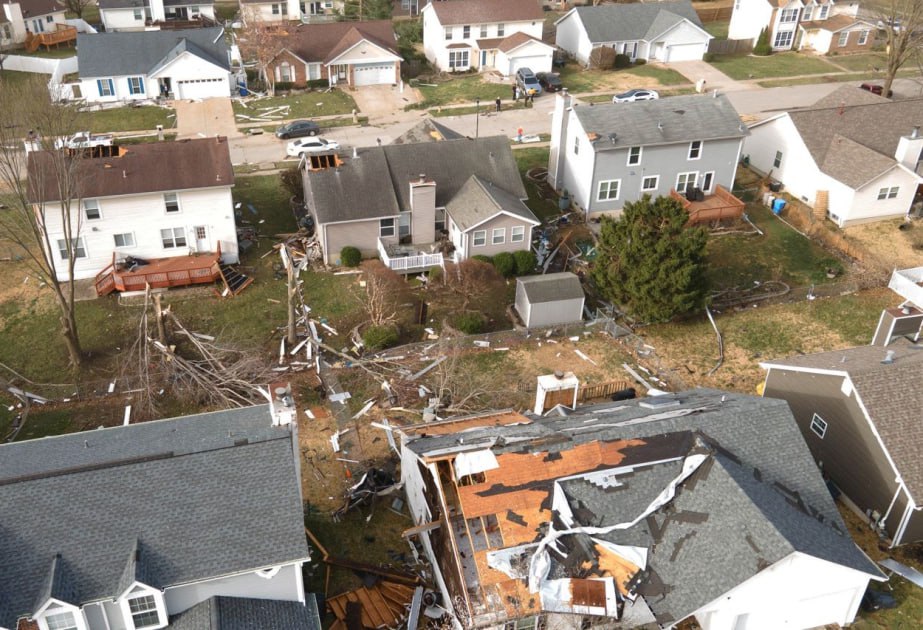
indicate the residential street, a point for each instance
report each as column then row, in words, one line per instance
column 756, row 102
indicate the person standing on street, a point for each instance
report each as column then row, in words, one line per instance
column 515, row 93
column 498, row 104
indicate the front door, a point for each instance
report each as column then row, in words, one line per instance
column 201, row 239
column 707, row 181
column 483, row 58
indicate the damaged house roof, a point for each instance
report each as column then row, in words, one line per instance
column 685, row 484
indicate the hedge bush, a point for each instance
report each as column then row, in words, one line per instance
column 505, row 264
column 350, row 256
column 484, row 258
column 380, row 337
column 640, row 62
column 525, row 262
column 469, row 323
column 622, row 61
column 316, row 84
column 283, row 86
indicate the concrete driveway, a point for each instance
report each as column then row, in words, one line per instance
column 714, row 78
column 383, row 102
column 202, row 118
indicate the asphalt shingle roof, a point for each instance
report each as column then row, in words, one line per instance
column 200, row 497
column 138, row 53
column 427, row 130
column 891, row 394
column 241, row 613
column 627, row 22
column 551, row 287
column 478, row 200
column 322, row 42
column 35, row 8
column 663, row 121
column 487, row 11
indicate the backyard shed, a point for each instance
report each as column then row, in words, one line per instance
column 554, row 298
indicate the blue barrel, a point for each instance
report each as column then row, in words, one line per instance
column 243, row 91
column 777, row 206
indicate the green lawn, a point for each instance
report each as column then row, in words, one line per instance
column 90, row 14
column 719, row 30
column 860, row 63
column 530, row 158
column 579, row 80
column 665, row 76
column 306, row 105
column 13, row 77
column 786, row 64
column 461, row 90
column 143, row 118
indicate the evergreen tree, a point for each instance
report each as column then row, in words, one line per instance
column 650, row 262
column 365, row 10
column 762, row 47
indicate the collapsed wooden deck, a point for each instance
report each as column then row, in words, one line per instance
column 715, row 207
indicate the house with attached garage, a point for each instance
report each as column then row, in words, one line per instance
column 668, row 511
column 410, row 204
column 137, row 15
column 610, row 154
column 501, row 35
column 192, row 523
column 151, row 201
column 793, row 24
column 852, row 156
column 181, row 64
column 347, row 53
column 657, row 31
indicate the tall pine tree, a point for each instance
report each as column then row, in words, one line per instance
column 365, row 10
column 650, row 263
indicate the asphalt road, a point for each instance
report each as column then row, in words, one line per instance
column 757, row 102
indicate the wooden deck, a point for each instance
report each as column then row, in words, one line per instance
column 159, row 273
column 63, row 34
column 716, row 207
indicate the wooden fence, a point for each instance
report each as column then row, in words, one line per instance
column 730, row 46
column 602, row 390
column 714, row 14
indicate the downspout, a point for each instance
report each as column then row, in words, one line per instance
column 903, row 524
column 893, row 501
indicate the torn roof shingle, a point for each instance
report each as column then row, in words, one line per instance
column 626, row 22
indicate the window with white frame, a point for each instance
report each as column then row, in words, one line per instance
column 576, row 145
column 479, row 238
column 863, row 37
column 79, row 248
column 695, row 149
column 498, row 236
column 466, row 31
column 501, row 30
column 105, row 87
column 843, row 39
column 171, row 202
column 650, row 182
column 777, row 162
column 61, row 621
column 386, row 227
column 126, row 239
column 823, row 11
column 49, row 18
column 634, row 156
column 276, row 10
column 819, row 426
column 458, row 60
column 194, row 11
column 135, row 85
column 448, row 33
column 138, row 15
column 888, row 192
column 808, row 13
column 173, row 237
column 91, row 209
column 783, row 39
column 483, row 30
column 788, row 16
column 608, row 190
column 517, row 233
column 685, row 180
column 143, row 610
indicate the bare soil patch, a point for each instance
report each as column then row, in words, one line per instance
column 901, row 248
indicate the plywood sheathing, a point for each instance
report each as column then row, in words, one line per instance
column 463, row 424
column 615, row 566
column 384, row 604
column 587, row 593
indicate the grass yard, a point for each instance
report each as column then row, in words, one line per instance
column 579, row 80
column 90, row 13
column 61, row 52
column 531, row 158
column 860, row 63
column 787, row 64
column 470, row 110
column 664, row 76
column 718, row 30
column 144, row 118
column 12, row 77
column 304, row 105
column 460, row 90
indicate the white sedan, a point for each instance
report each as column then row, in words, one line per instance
column 635, row 95
column 297, row 148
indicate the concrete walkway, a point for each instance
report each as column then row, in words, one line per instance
column 208, row 117
column 714, row 78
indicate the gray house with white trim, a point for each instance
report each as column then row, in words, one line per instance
column 144, row 525
column 610, row 154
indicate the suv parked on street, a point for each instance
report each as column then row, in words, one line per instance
column 528, row 82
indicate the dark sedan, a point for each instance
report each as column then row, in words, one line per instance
column 549, row 81
column 297, row 129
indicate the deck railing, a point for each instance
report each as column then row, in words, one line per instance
column 62, row 34
column 722, row 204
column 412, row 262
column 204, row 270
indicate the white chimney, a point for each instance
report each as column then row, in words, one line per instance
column 560, row 388
column 559, row 122
column 910, row 150
column 889, row 358
column 282, row 406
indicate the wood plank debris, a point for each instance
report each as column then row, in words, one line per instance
column 428, row 367
column 908, row 573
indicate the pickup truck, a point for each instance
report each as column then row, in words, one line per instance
column 84, row 140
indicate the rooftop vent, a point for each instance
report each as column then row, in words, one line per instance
column 659, row 402
column 915, row 133
column 613, row 137
column 889, row 358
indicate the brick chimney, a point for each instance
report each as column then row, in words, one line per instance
column 423, row 209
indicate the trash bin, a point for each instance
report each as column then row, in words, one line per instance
column 243, row 91
column 777, row 206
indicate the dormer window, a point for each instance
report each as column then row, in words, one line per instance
column 143, row 609
column 61, row 621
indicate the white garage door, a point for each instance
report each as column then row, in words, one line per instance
column 201, row 88
column 373, row 73
column 684, row 52
column 536, row 63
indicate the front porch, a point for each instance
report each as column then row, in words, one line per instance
column 410, row 258
column 715, row 207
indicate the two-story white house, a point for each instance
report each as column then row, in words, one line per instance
column 147, row 201
column 135, row 15
column 182, row 64
column 784, row 19
column 32, row 16
column 607, row 155
column 501, row 35
column 157, row 524
column 853, row 156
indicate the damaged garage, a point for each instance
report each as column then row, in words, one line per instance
column 700, row 506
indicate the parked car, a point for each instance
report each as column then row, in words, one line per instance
column 876, row 89
column 297, row 148
column 84, row 140
column 298, row 129
column 635, row 95
column 549, row 81
column 528, row 82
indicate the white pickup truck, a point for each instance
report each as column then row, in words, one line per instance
column 84, row 140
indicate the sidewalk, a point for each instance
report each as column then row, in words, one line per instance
column 714, row 78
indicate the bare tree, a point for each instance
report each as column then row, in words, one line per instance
column 260, row 43
column 49, row 199
column 901, row 21
column 383, row 295
column 76, row 6
column 471, row 280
